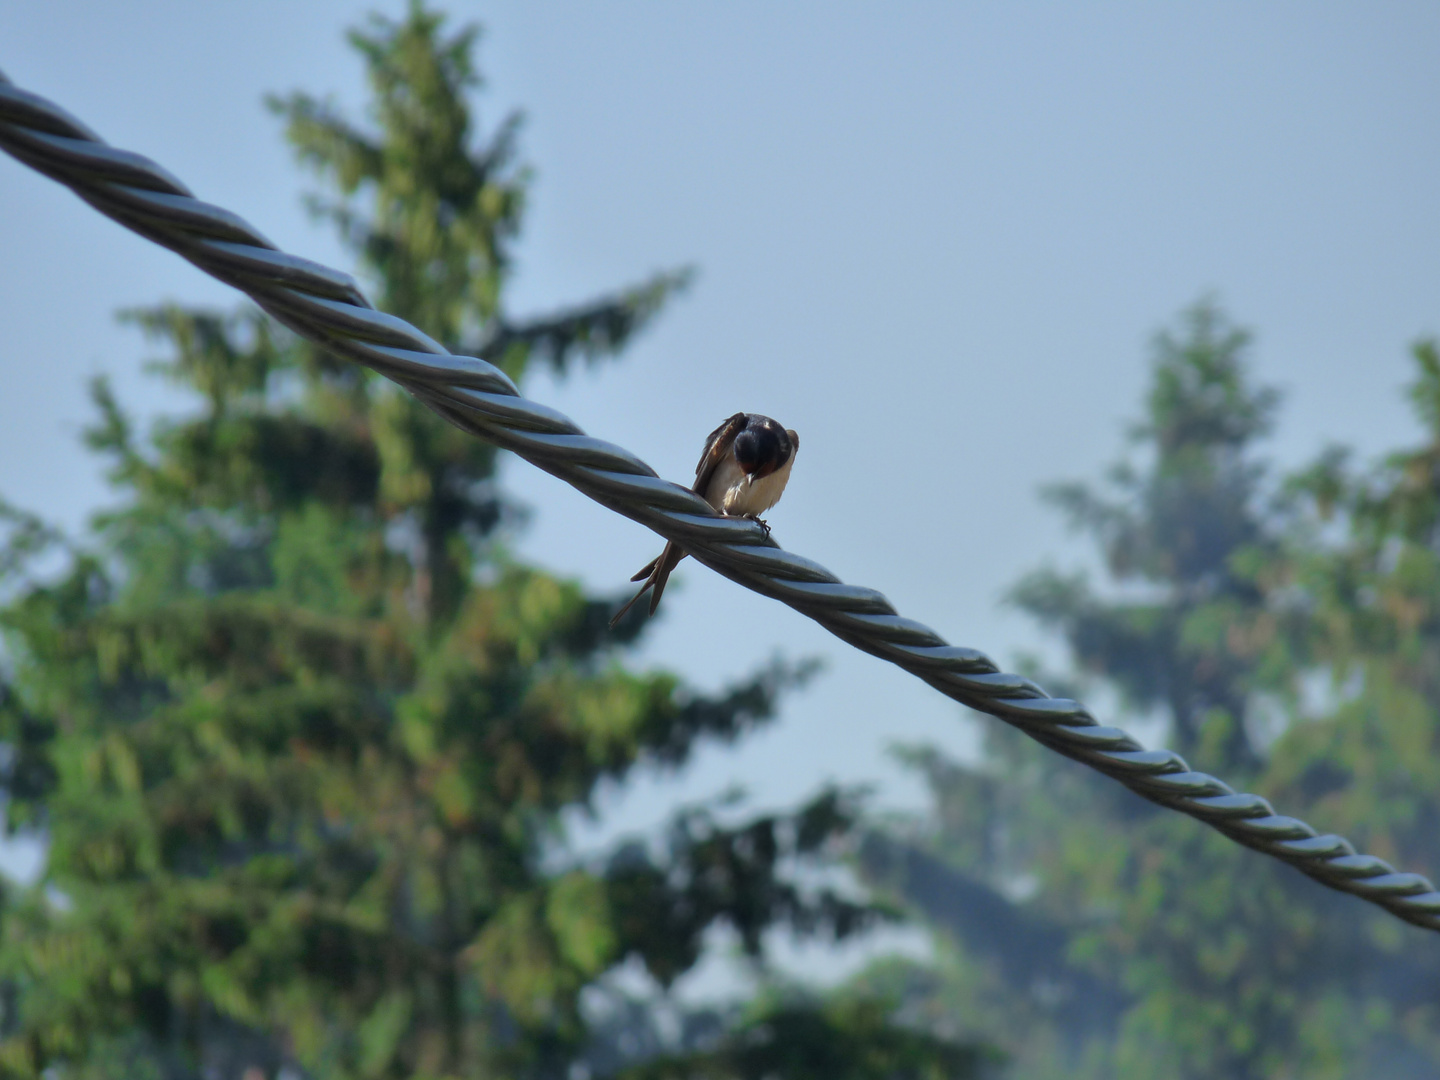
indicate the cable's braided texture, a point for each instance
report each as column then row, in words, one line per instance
column 326, row 307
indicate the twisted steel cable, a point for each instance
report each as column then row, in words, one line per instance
column 327, row 307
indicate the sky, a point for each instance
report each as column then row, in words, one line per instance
column 935, row 239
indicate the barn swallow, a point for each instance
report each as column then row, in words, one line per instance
column 742, row 473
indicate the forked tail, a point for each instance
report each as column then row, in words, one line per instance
column 655, row 574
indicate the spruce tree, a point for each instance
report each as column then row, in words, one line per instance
column 1094, row 934
column 299, row 732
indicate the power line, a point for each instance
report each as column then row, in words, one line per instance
column 326, row 307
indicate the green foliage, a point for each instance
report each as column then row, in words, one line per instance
column 845, row 1038
column 1287, row 633
column 1186, row 536
column 437, row 231
column 302, row 737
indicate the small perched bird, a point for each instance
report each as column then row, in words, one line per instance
column 742, row 473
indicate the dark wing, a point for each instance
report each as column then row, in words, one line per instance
column 716, row 447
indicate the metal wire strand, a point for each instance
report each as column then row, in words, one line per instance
column 328, row 308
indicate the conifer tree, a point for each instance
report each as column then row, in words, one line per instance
column 1094, row 934
column 298, row 731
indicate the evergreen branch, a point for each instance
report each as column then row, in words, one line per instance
column 591, row 330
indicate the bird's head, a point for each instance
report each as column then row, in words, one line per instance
column 763, row 446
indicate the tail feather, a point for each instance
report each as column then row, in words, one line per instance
column 656, row 573
column 614, row 622
column 669, row 559
column 646, row 570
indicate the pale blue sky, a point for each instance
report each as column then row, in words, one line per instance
column 933, row 238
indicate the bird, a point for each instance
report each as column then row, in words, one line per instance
column 742, row 472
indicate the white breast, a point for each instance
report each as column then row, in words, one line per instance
column 731, row 492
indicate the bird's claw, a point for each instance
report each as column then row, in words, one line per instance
column 761, row 522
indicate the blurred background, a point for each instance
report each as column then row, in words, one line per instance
column 939, row 242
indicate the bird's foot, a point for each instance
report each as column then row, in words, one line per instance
column 759, row 521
